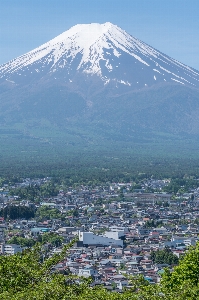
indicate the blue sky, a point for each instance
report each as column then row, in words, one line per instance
column 171, row 26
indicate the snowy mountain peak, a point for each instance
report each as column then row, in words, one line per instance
column 104, row 50
column 84, row 35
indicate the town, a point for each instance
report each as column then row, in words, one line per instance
column 123, row 229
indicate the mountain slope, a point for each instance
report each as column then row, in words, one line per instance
column 101, row 51
column 98, row 83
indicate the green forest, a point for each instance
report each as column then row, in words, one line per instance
column 97, row 168
column 55, row 155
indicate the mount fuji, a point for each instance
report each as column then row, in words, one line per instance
column 98, row 82
column 103, row 51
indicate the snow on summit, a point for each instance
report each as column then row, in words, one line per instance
column 86, row 39
column 104, row 50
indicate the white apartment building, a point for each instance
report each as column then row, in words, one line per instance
column 12, row 249
column 89, row 238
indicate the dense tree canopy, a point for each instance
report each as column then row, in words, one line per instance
column 17, row 212
column 164, row 256
column 23, row 242
column 46, row 213
column 31, row 192
column 48, row 237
